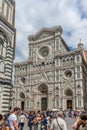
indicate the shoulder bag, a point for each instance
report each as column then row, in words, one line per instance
column 58, row 124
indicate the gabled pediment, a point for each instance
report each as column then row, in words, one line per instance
column 67, row 85
column 67, row 88
column 43, row 77
column 45, row 32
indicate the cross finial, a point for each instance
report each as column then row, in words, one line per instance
column 80, row 40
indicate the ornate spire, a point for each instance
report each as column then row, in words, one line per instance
column 80, row 44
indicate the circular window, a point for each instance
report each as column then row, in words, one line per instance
column 23, row 80
column 44, row 51
column 68, row 74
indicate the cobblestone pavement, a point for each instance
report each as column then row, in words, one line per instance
column 69, row 122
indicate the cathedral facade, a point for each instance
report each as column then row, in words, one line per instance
column 53, row 76
column 7, row 48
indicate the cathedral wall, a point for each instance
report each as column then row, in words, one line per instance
column 54, row 73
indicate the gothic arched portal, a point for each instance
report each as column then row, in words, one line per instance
column 22, row 97
column 43, row 89
column 69, row 94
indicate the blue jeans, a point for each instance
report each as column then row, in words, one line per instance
column 21, row 126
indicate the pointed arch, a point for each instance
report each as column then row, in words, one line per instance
column 3, row 32
column 22, row 95
column 2, row 66
column 43, row 88
column 68, row 92
column 4, row 40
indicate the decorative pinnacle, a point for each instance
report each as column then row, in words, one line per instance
column 80, row 44
column 80, row 40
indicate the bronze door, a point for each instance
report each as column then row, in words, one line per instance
column 22, row 105
column 69, row 104
column 43, row 104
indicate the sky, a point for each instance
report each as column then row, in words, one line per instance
column 32, row 15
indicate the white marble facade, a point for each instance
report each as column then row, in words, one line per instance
column 53, row 76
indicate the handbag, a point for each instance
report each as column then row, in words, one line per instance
column 58, row 124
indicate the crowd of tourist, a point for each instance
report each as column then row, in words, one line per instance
column 42, row 120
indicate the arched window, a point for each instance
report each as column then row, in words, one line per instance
column 67, row 59
column 3, row 44
column 78, row 86
column 78, row 58
column 1, row 67
column 63, row 60
column 79, row 103
column 71, row 58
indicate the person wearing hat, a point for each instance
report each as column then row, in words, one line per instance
column 58, row 123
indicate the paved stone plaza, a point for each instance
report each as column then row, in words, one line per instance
column 69, row 122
